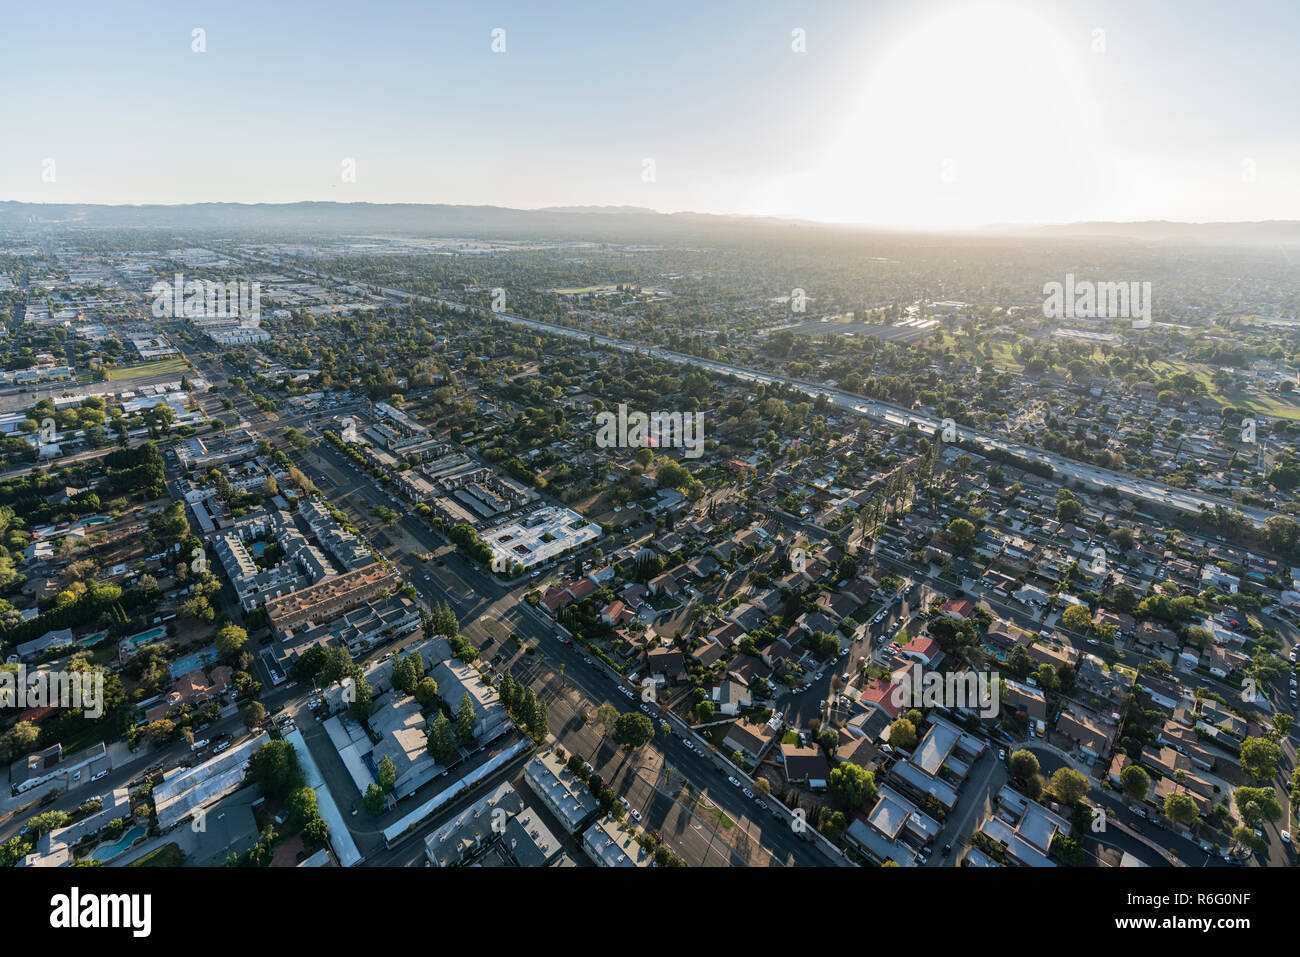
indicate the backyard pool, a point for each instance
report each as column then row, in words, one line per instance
column 106, row 852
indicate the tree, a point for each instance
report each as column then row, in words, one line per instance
column 230, row 639
column 1067, row 850
column 426, row 691
column 963, row 535
column 374, row 800
column 160, row 731
column 606, row 715
column 1076, row 617
column 1023, row 764
column 254, row 715
column 1256, row 805
column 387, row 774
column 829, row 741
column 442, row 740
column 302, row 806
column 539, row 722
column 852, row 786
column 1069, row 785
column 407, row 672
column 902, row 734
column 274, row 767
column 1180, row 807
column 362, row 694
column 19, row 740
column 465, row 721
column 633, row 730
column 1259, row 758
column 315, row 831
column 1135, row 782
column 1280, row 533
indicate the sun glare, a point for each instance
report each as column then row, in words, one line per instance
column 974, row 116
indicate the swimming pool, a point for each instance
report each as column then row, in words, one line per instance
column 107, row 852
column 153, row 634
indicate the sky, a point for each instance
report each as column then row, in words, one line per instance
column 920, row 114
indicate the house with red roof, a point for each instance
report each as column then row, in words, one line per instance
column 958, row 609
column 922, row 648
column 616, row 613
column 880, row 694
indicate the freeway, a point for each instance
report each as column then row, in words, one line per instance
column 1157, row 493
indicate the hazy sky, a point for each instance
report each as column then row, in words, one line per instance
column 907, row 113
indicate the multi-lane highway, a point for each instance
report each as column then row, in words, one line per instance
column 1147, row 490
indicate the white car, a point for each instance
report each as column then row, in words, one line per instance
column 99, row 774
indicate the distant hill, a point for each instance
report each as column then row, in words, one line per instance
column 1269, row 232
column 596, row 223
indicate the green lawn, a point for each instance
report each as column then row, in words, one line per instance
column 865, row 613
column 169, row 855
column 174, row 366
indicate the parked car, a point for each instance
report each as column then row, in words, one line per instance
column 99, row 774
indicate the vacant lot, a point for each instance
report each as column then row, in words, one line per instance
column 175, row 366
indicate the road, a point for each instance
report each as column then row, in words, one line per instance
column 490, row 599
column 1148, row 490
